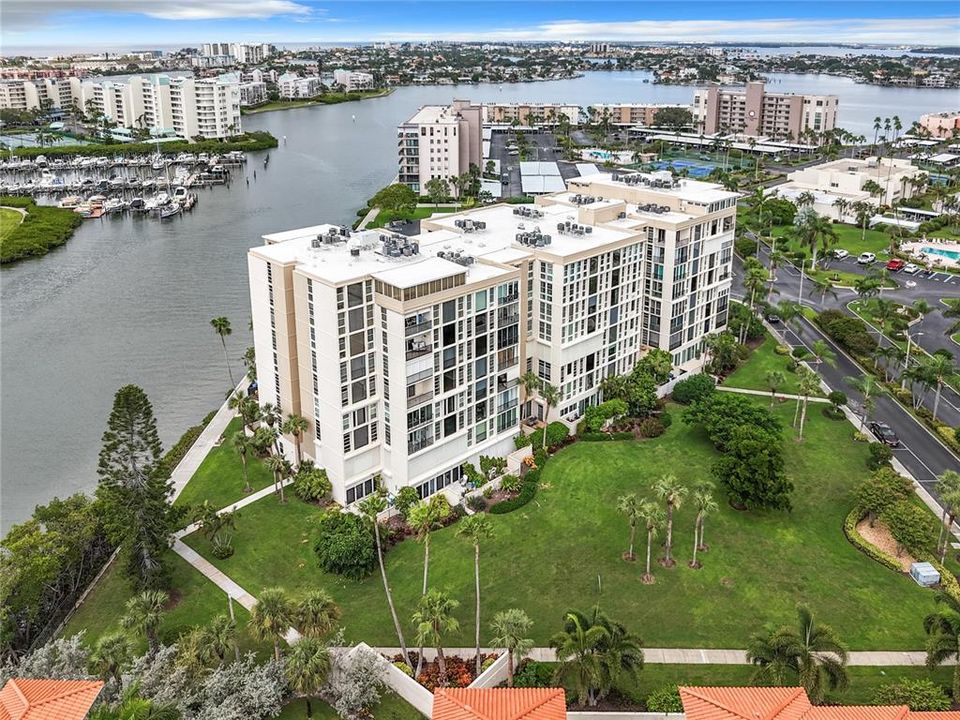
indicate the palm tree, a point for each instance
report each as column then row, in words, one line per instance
column 510, row 628
column 281, row 469
column 316, row 614
column 110, row 655
column 823, row 353
column 948, row 485
column 811, row 652
column 940, row 368
column 247, row 408
column 593, row 653
column 808, row 384
column 144, row 614
column 243, row 445
column 863, row 211
column 295, row 425
column 672, row 492
column 703, row 499
column 476, row 528
column 824, row 285
column 630, row 506
column 530, row 383
column 220, row 638
column 816, row 229
column 306, row 668
column 551, row 396
column 371, row 506
column 434, row 619
column 943, row 629
column 653, row 518
column 221, row 326
column 775, row 380
column 867, row 386
column 424, row 517
column 272, row 617
column 576, row 651
column 134, row 707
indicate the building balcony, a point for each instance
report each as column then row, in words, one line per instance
column 418, row 376
column 418, row 445
column 417, row 348
column 419, row 399
column 411, row 329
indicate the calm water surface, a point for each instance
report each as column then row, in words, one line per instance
column 128, row 300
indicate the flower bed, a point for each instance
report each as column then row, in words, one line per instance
column 459, row 672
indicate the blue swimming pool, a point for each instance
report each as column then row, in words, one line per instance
column 952, row 254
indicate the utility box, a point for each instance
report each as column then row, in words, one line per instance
column 924, row 574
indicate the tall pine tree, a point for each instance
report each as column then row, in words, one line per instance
column 135, row 488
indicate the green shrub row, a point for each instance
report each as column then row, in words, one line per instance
column 868, row 549
column 251, row 141
column 557, row 432
column 177, row 451
column 42, row 229
column 528, row 490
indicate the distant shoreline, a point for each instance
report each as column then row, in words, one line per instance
column 293, row 104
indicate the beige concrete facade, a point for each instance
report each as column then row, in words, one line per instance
column 753, row 111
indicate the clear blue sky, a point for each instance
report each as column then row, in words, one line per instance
column 91, row 24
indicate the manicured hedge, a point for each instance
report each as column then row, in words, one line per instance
column 42, row 229
column 528, row 490
column 557, row 432
column 868, row 549
column 258, row 140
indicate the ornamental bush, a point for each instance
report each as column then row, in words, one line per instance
column 533, row 674
column 311, row 483
column 528, row 490
column 911, row 527
column 883, row 489
column 851, row 333
column 880, row 456
column 345, row 544
column 665, row 700
column 406, row 498
column 557, row 432
column 693, row 388
column 595, row 416
column 919, row 695
column 650, row 427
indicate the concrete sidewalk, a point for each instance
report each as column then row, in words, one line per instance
column 766, row 394
column 204, row 444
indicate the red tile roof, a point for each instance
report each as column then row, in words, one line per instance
column 784, row 703
column 22, row 699
column 499, row 704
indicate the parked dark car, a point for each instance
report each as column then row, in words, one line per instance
column 884, row 434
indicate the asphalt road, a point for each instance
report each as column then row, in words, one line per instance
column 920, row 452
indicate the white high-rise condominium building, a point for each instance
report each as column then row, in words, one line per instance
column 248, row 53
column 292, row 86
column 531, row 113
column 404, row 353
column 440, row 142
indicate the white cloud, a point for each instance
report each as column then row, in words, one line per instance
column 943, row 30
column 30, row 14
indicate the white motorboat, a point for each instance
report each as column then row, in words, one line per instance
column 138, row 204
column 170, row 209
column 113, row 205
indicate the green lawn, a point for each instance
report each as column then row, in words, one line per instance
column 219, row 478
column 9, row 220
column 866, row 309
column 390, row 707
column 864, row 681
column 563, row 551
column 848, row 238
column 196, row 600
column 841, row 278
column 752, row 375
column 418, row 213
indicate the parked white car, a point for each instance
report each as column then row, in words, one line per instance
column 840, row 254
column 866, row 258
column 910, row 268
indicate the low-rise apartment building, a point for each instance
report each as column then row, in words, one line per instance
column 530, row 113
column 404, row 353
column 753, row 111
column 293, row 87
column 941, row 125
column 630, row 114
column 844, row 179
column 253, row 93
column 439, row 141
column 353, row 80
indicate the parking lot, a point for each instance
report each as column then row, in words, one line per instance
column 541, row 148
